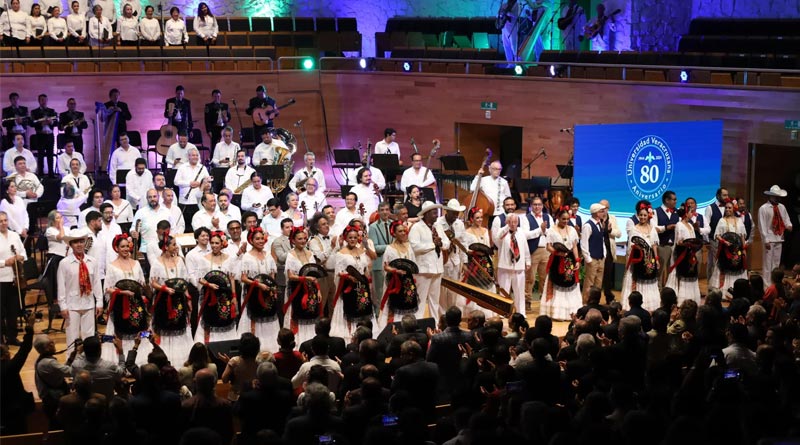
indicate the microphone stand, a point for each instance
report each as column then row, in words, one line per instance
column 239, row 118
column 530, row 176
column 303, row 134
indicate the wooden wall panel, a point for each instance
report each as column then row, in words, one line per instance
column 357, row 106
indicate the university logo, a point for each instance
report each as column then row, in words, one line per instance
column 649, row 168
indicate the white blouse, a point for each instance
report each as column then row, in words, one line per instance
column 123, row 212
column 57, row 27
column 99, row 29
column 76, row 25
column 15, row 24
column 150, row 29
column 175, row 32
column 252, row 266
column 571, row 240
column 37, row 26
column 207, row 29
column 17, row 214
column 128, row 29
column 55, row 246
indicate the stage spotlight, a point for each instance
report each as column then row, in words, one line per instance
column 308, row 64
column 518, row 70
column 407, row 66
column 362, row 63
column 684, row 76
column 552, row 71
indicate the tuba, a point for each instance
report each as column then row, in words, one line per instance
column 284, row 157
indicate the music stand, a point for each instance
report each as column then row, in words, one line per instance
column 169, row 177
column 269, row 172
column 536, row 184
column 347, row 156
column 218, row 173
column 345, row 189
column 121, row 176
column 564, row 171
column 427, row 194
column 454, row 162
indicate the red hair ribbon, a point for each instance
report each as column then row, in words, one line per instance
column 350, row 228
column 394, row 226
column 472, row 212
column 295, row 231
column 221, row 236
column 118, row 239
column 252, row 232
column 164, row 241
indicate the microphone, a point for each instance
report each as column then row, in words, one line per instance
column 565, row 130
column 298, row 123
column 543, row 153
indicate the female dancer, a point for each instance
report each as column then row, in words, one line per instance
column 218, row 306
column 731, row 261
column 303, row 305
column 683, row 272
column 352, row 300
column 641, row 270
column 171, row 304
column 260, row 304
column 399, row 295
column 477, row 260
column 562, row 293
column 127, row 312
column 123, row 213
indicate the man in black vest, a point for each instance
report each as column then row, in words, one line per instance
column 19, row 125
column 260, row 101
column 539, row 222
column 72, row 123
column 593, row 249
column 713, row 214
column 667, row 218
column 610, row 234
column 44, row 120
column 216, row 116
column 114, row 104
column 179, row 111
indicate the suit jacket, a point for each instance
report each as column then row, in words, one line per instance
column 381, row 238
column 264, row 408
column 157, row 415
column 69, row 116
column 70, row 410
column 38, row 113
column 211, row 115
column 443, row 350
column 306, row 429
column 124, row 115
column 393, row 349
column 9, row 112
column 185, row 107
column 215, row 413
column 420, row 380
column 336, row 347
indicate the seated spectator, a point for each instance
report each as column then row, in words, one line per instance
column 123, row 429
column 16, row 402
column 317, row 374
column 367, row 371
column 240, row 371
column 517, row 326
column 420, row 379
column 317, row 419
column 669, row 299
column 287, row 360
column 615, row 313
column 267, row 406
column 322, row 329
column 684, row 319
column 362, row 415
column 71, row 406
column 319, row 346
column 635, row 301
column 351, row 356
column 105, row 375
column 50, row 376
column 198, row 359
column 629, row 357
column 205, row 409
column 593, row 302
column 543, row 328
column 542, row 375
column 368, row 354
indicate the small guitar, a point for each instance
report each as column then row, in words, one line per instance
column 169, row 134
column 261, row 116
column 566, row 21
column 591, row 31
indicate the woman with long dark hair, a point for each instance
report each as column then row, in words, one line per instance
column 218, row 307
column 643, row 264
column 731, row 257
column 199, row 358
column 16, row 209
column 352, row 300
column 205, row 26
column 683, row 271
column 260, row 303
column 304, row 303
column 413, row 203
column 561, row 295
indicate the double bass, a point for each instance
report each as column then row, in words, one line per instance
column 478, row 198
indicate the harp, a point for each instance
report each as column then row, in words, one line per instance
column 485, row 299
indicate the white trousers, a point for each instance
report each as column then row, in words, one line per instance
column 771, row 260
column 79, row 324
column 514, row 281
column 429, row 287
column 449, row 298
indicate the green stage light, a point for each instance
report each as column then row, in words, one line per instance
column 518, row 70
column 308, row 64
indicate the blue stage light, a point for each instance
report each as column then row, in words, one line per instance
column 406, row 66
column 362, row 63
column 684, row 76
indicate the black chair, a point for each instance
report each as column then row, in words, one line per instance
column 152, row 141
column 196, row 138
column 135, row 138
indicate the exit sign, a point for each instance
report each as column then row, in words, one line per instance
column 790, row 125
column 491, row 106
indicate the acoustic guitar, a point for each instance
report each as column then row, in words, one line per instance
column 261, row 116
column 169, row 134
column 591, row 31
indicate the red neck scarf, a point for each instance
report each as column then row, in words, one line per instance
column 778, row 226
column 514, row 247
column 83, row 276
